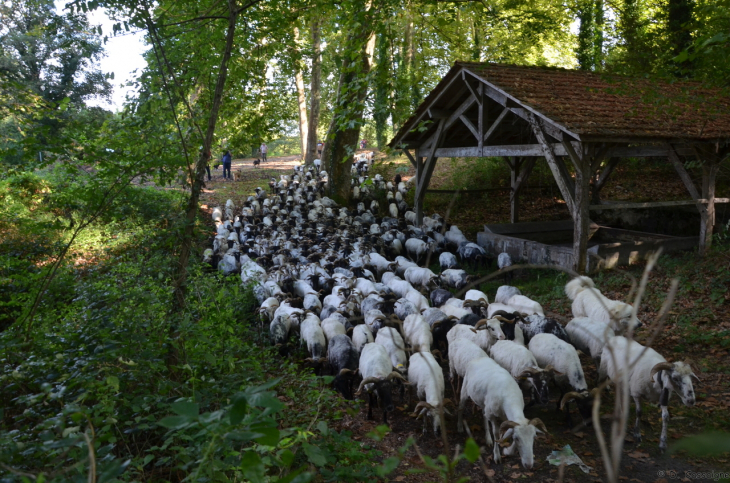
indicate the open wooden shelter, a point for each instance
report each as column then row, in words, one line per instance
column 565, row 116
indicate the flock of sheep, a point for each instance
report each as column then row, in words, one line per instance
column 348, row 283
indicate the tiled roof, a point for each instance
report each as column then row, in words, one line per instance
column 590, row 104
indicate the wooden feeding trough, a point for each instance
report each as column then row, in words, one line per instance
column 551, row 243
column 582, row 124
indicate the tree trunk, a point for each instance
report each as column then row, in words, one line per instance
column 301, row 95
column 344, row 130
column 191, row 210
column 586, row 34
column 382, row 91
column 314, row 94
column 679, row 27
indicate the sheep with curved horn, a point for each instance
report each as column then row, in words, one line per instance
column 377, row 372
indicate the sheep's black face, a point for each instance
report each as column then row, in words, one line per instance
column 585, row 408
column 384, row 390
column 342, row 385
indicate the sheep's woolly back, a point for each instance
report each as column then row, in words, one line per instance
column 577, row 285
column 392, row 342
column 512, row 356
column 460, row 331
column 588, row 335
column 361, row 335
column 549, row 350
column 426, row 374
column 461, row 352
column 504, row 260
column 505, row 292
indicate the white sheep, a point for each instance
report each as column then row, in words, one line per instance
column 505, row 292
column 426, row 374
column 525, row 305
column 495, row 391
column 417, row 249
column 482, row 338
column 419, row 301
column 421, row 277
column 332, row 327
column 551, row 351
column 311, row 333
column 403, row 264
column 589, row 336
column 377, row 373
column 361, row 335
column 454, row 278
column 418, row 333
column 447, row 260
column 590, row 302
column 650, row 377
column 398, row 286
column 521, row 363
column 393, row 343
column 461, row 352
column 374, row 320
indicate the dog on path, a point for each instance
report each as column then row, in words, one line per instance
column 256, row 163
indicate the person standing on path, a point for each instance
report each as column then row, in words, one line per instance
column 226, row 164
column 320, row 145
column 264, row 149
column 207, row 164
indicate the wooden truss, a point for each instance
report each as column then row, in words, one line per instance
column 592, row 159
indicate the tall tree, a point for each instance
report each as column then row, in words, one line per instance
column 301, row 94
column 381, row 104
column 314, row 92
column 344, row 129
column 679, row 30
column 55, row 55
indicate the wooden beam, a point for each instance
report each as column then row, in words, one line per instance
column 411, row 158
column 514, row 165
column 679, row 166
column 709, row 176
column 582, row 192
column 495, row 125
column 451, row 119
column 603, row 177
column 554, row 166
column 435, row 113
column 527, row 166
column 653, row 204
column 536, row 150
column 573, row 154
column 424, row 177
column 471, row 127
column 476, row 93
column 503, row 98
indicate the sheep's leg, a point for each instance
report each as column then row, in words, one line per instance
column 637, row 425
column 495, row 443
column 370, row 405
column 664, row 402
column 460, row 413
column 487, row 425
column 568, row 419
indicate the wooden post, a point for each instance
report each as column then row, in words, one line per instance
column 709, row 175
column 581, row 221
column 707, row 212
column 556, row 166
column 418, row 198
column 513, row 198
column 424, row 170
column 524, row 165
column 601, row 179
